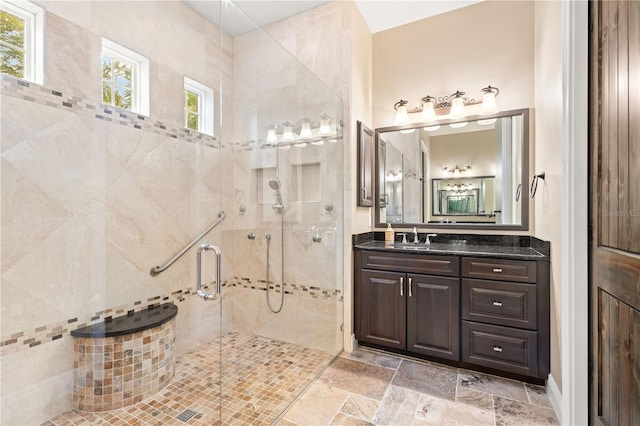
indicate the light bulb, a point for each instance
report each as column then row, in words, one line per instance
column 271, row 136
column 402, row 117
column 489, row 105
column 325, row 129
column 305, row 131
column 457, row 108
column 287, row 134
column 428, row 112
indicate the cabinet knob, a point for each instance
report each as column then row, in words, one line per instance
column 496, row 303
column 497, row 270
column 497, row 348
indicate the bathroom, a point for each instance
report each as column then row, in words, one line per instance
column 94, row 195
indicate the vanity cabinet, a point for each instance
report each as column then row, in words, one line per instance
column 473, row 311
column 418, row 312
column 500, row 314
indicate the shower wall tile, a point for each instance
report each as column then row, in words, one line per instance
column 72, row 67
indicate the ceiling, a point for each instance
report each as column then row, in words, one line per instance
column 380, row 15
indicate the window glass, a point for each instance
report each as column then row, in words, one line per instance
column 12, row 44
column 192, row 110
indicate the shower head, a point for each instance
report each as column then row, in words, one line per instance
column 274, row 184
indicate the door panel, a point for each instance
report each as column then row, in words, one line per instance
column 383, row 314
column 614, row 264
column 433, row 323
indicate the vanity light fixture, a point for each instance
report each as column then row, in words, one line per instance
column 287, row 134
column 452, row 106
column 456, row 170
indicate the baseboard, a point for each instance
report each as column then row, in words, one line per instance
column 555, row 396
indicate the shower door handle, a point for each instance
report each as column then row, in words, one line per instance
column 204, row 294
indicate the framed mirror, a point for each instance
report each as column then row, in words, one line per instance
column 464, row 174
column 365, row 166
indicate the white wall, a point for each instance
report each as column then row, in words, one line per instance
column 548, row 158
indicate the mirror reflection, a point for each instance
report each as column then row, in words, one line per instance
column 467, row 173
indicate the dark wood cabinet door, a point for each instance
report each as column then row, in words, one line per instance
column 433, row 320
column 614, row 264
column 383, row 311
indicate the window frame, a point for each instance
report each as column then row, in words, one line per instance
column 139, row 74
column 205, row 105
column 33, row 17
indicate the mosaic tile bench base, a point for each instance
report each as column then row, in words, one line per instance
column 119, row 371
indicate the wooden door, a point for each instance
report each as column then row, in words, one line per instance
column 614, row 223
column 383, row 310
column 433, row 320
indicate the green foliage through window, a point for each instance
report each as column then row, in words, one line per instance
column 12, row 55
column 192, row 110
column 117, row 83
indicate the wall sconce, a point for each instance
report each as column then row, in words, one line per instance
column 452, row 106
column 456, row 170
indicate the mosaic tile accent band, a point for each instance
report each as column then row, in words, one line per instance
column 116, row 372
column 48, row 333
column 33, row 92
column 42, row 95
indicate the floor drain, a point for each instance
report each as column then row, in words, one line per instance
column 186, row 415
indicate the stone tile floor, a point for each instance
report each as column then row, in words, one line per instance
column 368, row 387
column 262, row 377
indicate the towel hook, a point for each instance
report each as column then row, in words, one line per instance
column 534, row 184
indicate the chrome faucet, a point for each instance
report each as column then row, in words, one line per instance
column 404, row 237
column 415, row 235
column 429, row 236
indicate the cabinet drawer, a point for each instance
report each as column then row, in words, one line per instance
column 422, row 264
column 502, row 348
column 500, row 303
column 499, row 269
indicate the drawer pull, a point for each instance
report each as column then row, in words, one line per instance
column 496, row 303
column 497, row 348
column 497, row 270
column 410, row 293
column 401, row 286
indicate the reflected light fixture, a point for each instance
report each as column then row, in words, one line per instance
column 272, row 138
column 287, row 134
column 456, row 170
column 325, row 128
column 431, row 128
column 305, row 131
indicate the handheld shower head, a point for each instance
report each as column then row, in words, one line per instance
column 274, row 184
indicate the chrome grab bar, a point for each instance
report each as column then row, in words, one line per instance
column 204, row 294
column 156, row 270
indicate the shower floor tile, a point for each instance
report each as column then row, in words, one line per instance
column 260, row 378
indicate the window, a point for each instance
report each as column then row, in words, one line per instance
column 21, row 40
column 125, row 78
column 198, row 107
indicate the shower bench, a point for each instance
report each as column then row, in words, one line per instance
column 123, row 360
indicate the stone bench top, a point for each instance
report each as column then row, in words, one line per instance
column 131, row 323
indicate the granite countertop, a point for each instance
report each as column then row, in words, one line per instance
column 505, row 247
column 129, row 324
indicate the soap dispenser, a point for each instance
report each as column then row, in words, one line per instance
column 389, row 236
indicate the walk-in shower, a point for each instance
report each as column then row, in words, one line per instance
column 102, row 180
